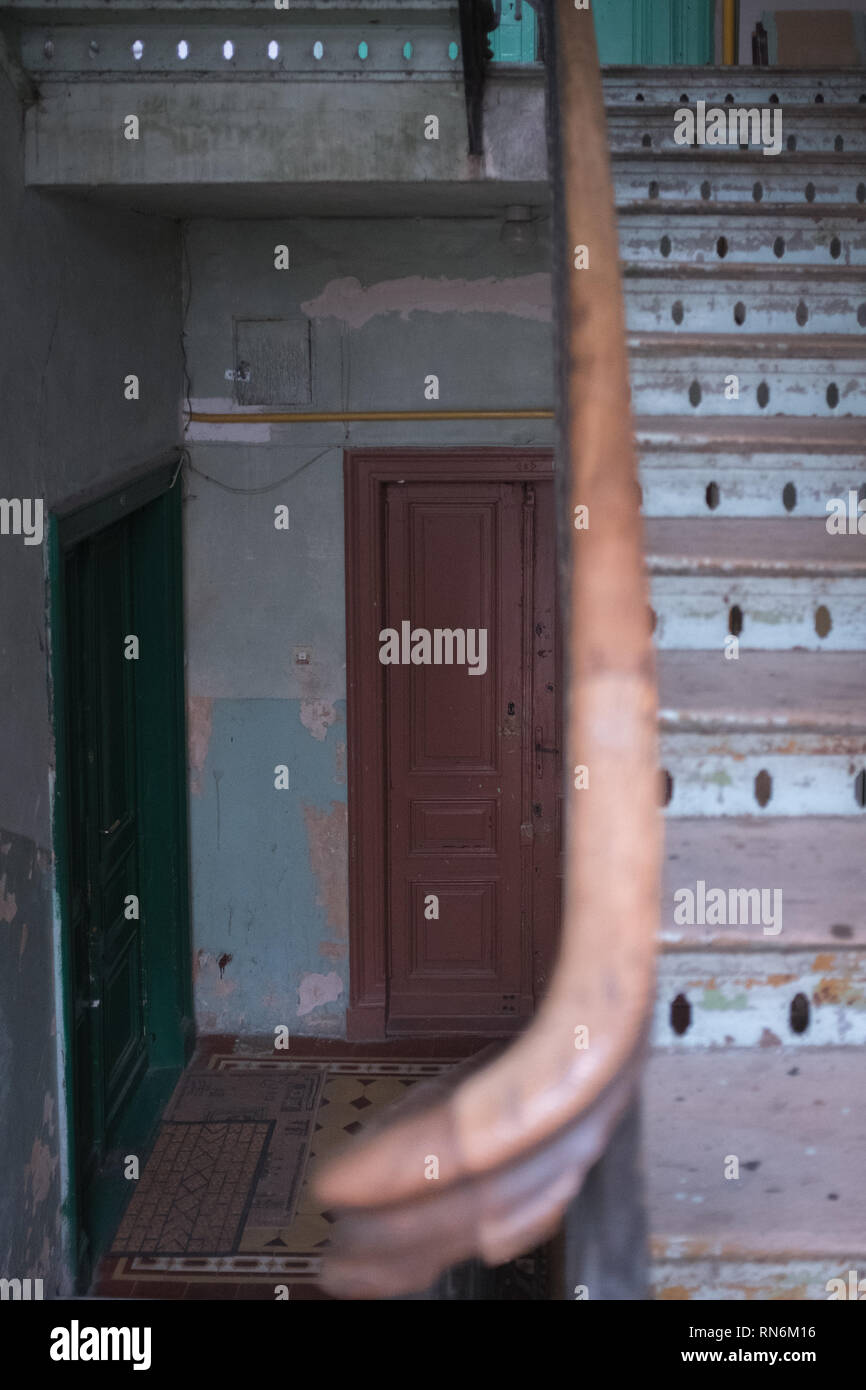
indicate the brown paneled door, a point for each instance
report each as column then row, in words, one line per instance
column 471, row 772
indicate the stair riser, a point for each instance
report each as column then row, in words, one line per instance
column 750, row 1281
column 756, row 491
column 746, row 999
column 709, row 186
column 695, row 613
column 746, row 86
column 745, row 306
column 818, row 130
column 656, row 240
column 715, row 774
column 789, row 386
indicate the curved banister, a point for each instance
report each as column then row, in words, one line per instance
column 515, row 1137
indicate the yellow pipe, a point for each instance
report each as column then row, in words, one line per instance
column 729, row 32
column 248, row 417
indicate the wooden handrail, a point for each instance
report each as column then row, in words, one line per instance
column 515, row 1137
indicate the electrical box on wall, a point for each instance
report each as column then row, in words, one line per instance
column 273, row 361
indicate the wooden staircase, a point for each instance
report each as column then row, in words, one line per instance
column 740, row 264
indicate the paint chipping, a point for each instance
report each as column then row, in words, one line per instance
column 40, row 1171
column 317, row 716
column 223, row 962
column 335, row 950
column 315, row 990
column 199, row 715
column 768, row 1039
column 522, row 296
column 327, row 837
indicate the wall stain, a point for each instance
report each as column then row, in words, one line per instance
column 199, row 727
column 523, row 296
column 315, row 990
column 335, row 950
column 327, row 837
column 317, row 716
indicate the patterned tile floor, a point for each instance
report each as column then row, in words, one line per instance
column 223, row 1208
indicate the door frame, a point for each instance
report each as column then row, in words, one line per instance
column 163, row 847
column 366, row 474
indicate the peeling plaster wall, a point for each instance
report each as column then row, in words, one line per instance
column 388, row 302
column 87, row 295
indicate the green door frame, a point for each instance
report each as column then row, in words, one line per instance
column 154, row 499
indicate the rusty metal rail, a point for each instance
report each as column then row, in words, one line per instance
column 515, row 1138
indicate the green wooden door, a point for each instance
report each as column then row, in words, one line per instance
column 647, row 32
column 110, row 1050
column 643, row 32
column 120, row 832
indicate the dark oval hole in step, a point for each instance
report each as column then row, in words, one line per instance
column 681, row 1015
column 832, row 395
column 706, row 190
column 713, row 496
column 789, row 497
column 779, row 247
column 665, row 246
column 823, row 621
column 802, row 313
column 722, row 247
column 735, row 620
column 695, row 393
column 763, row 394
column 653, row 189
column 677, row 311
column 799, row 1013
column 860, row 788
column 666, row 787
column 763, row 787
column 835, row 248
column 739, row 312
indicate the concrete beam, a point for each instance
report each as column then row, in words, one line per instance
column 245, row 136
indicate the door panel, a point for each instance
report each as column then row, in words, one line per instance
column 108, row 1002
column 465, row 805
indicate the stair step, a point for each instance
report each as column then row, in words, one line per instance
column 797, row 546
column 773, row 585
column 768, row 434
column 771, row 733
column 818, row 863
column 763, row 692
column 793, row 1116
